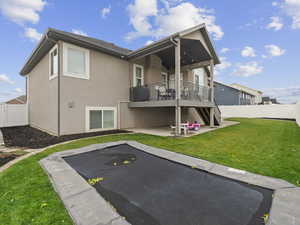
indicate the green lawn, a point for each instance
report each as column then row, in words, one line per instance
column 266, row 147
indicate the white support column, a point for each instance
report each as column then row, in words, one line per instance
column 212, row 110
column 177, row 88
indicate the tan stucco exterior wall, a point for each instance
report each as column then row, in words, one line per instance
column 145, row 117
column 152, row 69
column 43, row 98
column 108, row 84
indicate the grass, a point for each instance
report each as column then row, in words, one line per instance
column 266, row 147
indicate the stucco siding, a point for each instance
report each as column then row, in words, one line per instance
column 108, row 84
column 152, row 69
column 43, row 98
column 145, row 117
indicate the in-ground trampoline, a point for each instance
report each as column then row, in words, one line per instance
column 149, row 190
column 125, row 182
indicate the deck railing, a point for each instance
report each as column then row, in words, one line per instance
column 162, row 91
column 244, row 101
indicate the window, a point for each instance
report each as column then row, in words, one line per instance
column 199, row 75
column 76, row 61
column 100, row 118
column 164, row 79
column 138, row 75
column 53, row 62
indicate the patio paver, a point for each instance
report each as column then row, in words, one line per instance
column 166, row 131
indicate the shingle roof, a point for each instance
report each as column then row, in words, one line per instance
column 18, row 100
column 94, row 41
column 52, row 35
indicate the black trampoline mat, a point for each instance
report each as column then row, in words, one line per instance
column 149, row 190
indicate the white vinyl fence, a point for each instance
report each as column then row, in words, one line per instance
column 13, row 115
column 298, row 113
column 284, row 111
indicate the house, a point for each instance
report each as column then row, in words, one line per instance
column 79, row 84
column 18, row 100
column 266, row 100
column 258, row 94
column 228, row 95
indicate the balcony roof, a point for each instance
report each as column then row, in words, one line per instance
column 192, row 50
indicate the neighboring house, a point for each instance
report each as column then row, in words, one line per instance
column 18, row 100
column 228, row 95
column 266, row 100
column 79, row 84
column 258, row 94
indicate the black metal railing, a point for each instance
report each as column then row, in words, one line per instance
column 162, row 91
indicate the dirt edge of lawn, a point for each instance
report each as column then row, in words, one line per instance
column 29, row 137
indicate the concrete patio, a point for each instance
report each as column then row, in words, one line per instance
column 167, row 131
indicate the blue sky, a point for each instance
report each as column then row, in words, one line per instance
column 257, row 41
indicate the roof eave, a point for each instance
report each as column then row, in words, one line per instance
column 43, row 40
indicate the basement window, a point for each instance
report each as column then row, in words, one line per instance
column 100, row 118
column 53, row 62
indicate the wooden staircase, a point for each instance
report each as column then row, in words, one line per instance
column 205, row 114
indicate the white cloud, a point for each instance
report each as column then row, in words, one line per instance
column 139, row 12
column 224, row 65
column 149, row 42
column 169, row 3
column 284, row 95
column 105, row 12
column 19, row 91
column 292, row 9
column 148, row 20
column 274, row 50
column 274, row 3
column 224, row 50
column 21, row 11
column 248, row 52
column 32, row 34
column 79, row 32
column 4, row 78
column 275, row 24
column 248, row 69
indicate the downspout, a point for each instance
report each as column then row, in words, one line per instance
column 58, row 89
column 58, row 82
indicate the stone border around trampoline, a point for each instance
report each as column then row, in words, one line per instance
column 86, row 206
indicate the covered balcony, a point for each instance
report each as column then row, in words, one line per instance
column 164, row 94
column 176, row 56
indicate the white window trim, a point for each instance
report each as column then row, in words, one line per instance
column 204, row 76
column 65, row 62
column 87, row 118
column 52, row 76
column 134, row 74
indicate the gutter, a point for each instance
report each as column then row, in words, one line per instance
column 173, row 41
